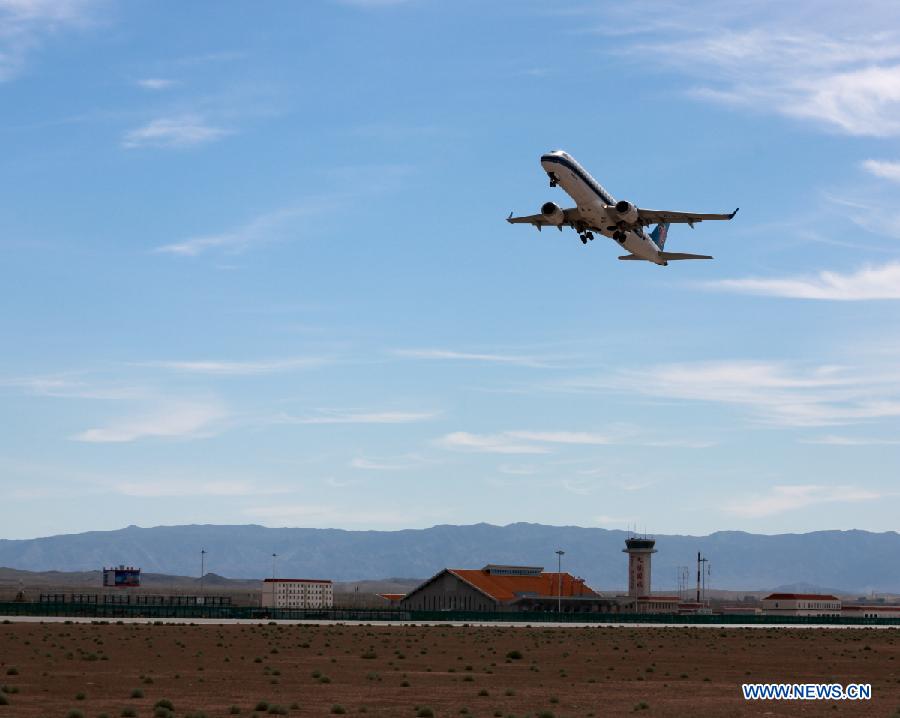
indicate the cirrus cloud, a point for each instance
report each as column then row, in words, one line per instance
column 174, row 132
column 791, row 498
column 868, row 283
column 174, row 419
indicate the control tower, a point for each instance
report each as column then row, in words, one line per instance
column 639, row 550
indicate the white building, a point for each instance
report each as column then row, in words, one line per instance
column 297, row 593
column 880, row 610
column 801, row 604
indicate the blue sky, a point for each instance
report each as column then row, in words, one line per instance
column 255, row 268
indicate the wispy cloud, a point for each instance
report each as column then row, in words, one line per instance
column 777, row 393
column 159, row 488
column 489, row 443
column 66, row 387
column 338, row 416
column 451, row 355
column 562, row 437
column 326, row 515
column 540, row 442
column 579, row 487
column 174, row 419
column 790, row 498
column 265, row 227
column 237, row 368
column 868, row 283
column 519, row 442
column 24, row 24
column 382, row 465
column 884, row 169
column 518, row 469
column 155, row 83
column 835, row 440
column 175, row 132
column 784, row 59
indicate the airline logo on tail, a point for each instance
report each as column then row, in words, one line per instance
column 659, row 235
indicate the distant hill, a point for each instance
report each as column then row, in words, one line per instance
column 854, row 561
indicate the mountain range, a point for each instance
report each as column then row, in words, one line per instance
column 853, row 561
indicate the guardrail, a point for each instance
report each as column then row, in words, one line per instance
column 106, row 611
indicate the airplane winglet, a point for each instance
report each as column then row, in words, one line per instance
column 509, row 219
column 731, row 216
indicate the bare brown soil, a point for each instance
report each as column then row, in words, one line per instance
column 453, row 671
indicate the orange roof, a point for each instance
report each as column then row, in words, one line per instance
column 392, row 596
column 507, row 588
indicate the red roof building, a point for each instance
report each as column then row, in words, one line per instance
column 494, row 587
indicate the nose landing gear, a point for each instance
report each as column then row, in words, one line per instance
column 554, row 180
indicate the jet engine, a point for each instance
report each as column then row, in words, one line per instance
column 627, row 212
column 553, row 213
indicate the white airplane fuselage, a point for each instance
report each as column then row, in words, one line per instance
column 592, row 199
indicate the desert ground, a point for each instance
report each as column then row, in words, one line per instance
column 60, row 670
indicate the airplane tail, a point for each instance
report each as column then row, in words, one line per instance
column 659, row 234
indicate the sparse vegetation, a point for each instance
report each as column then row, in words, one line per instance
column 457, row 656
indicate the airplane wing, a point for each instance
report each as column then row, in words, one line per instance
column 657, row 216
column 539, row 220
column 667, row 256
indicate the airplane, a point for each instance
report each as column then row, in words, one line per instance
column 597, row 211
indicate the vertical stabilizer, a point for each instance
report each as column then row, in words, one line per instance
column 659, row 235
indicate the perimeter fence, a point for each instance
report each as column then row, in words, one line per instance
column 117, row 611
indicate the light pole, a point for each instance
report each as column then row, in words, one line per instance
column 559, row 555
column 202, row 568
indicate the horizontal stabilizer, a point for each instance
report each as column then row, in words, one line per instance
column 634, row 258
column 672, row 256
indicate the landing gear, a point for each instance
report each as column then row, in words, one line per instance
column 585, row 236
column 583, row 239
column 554, row 180
column 619, row 236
